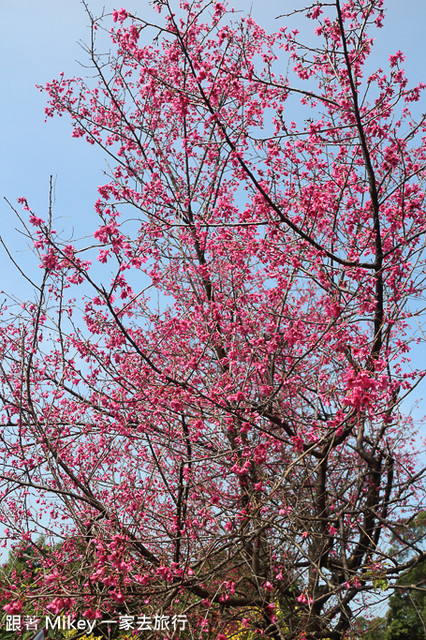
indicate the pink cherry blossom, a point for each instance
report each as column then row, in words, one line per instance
column 202, row 401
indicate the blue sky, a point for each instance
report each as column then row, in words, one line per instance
column 39, row 39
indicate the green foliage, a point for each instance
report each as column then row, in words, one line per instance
column 406, row 618
column 371, row 629
column 407, row 607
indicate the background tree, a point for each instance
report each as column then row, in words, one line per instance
column 370, row 629
column 208, row 415
column 406, row 619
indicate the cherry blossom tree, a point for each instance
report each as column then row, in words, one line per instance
column 202, row 404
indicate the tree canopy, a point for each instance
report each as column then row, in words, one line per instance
column 202, row 402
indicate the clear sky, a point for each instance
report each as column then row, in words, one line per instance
column 39, row 39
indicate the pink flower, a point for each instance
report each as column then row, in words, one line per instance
column 35, row 221
column 92, row 614
column 304, row 599
column 24, row 202
column 120, row 15
column 55, row 606
column 13, row 607
column 397, row 57
column 117, row 596
column 103, row 256
column 219, row 9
